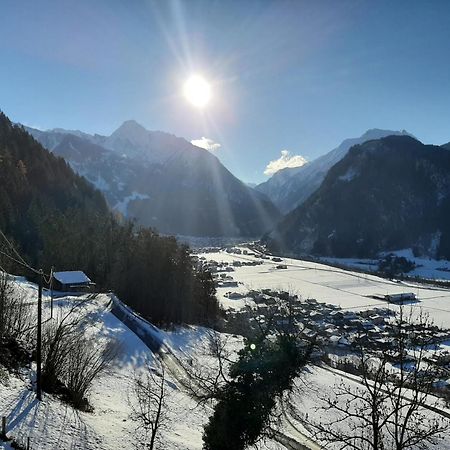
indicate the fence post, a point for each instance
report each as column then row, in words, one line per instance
column 28, row 443
column 3, row 435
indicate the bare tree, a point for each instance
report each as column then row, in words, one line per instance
column 15, row 312
column 59, row 340
column 71, row 358
column 86, row 362
column 391, row 407
column 149, row 404
column 16, row 325
column 204, row 379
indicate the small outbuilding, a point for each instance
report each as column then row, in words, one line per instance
column 400, row 299
column 71, row 281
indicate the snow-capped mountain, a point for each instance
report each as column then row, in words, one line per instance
column 290, row 187
column 164, row 181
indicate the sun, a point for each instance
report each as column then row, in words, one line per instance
column 197, row 91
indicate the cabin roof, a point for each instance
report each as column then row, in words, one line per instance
column 71, row 277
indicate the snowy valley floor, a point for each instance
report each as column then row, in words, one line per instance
column 347, row 289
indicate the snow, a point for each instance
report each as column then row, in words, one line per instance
column 52, row 424
column 122, row 206
column 96, row 179
column 327, row 284
column 318, row 384
column 349, row 175
column 345, row 288
column 71, row 277
column 428, row 268
column 101, row 184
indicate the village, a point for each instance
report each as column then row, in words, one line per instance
column 338, row 332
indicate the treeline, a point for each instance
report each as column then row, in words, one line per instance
column 153, row 274
column 56, row 218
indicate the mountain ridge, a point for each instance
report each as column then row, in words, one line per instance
column 290, row 187
column 385, row 194
column 164, row 181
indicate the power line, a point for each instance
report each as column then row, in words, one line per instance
column 21, row 260
column 10, row 244
column 40, row 273
column 16, row 260
column 14, row 281
column 22, row 263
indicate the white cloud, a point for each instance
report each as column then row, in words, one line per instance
column 206, row 143
column 285, row 160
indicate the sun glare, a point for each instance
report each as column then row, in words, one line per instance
column 197, row 91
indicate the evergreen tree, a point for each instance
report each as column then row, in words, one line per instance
column 263, row 372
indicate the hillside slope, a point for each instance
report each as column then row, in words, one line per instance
column 386, row 194
column 34, row 184
column 54, row 424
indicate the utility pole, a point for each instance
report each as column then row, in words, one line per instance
column 51, row 293
column 39, row 343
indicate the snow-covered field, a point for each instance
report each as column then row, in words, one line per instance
column 327, row 284
column 318, row 384
column 429, row 268
column 52, row 424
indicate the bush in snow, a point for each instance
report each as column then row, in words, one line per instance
column 15, row 314
column 15, row 324
column 84, row 364
column 393, row 266
column 72, row 361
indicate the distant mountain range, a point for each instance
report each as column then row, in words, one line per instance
column 290, row 187
column 381, row 191
column 385, row 194
column 164, row 181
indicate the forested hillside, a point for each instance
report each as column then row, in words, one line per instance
column 56, row 218
column 291, row 187
column 386, row 194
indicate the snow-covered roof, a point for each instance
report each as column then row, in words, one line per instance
column 71, row 277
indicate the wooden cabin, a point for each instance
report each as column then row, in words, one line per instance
column 71, row 281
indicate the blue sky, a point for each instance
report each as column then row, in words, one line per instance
column 286, row 75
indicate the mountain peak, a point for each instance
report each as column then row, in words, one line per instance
column 132, row 140
column 378, row 133
column 130, row 128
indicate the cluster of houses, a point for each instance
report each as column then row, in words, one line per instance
column 258, row 255
column 330, row 325
column 221, row 270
